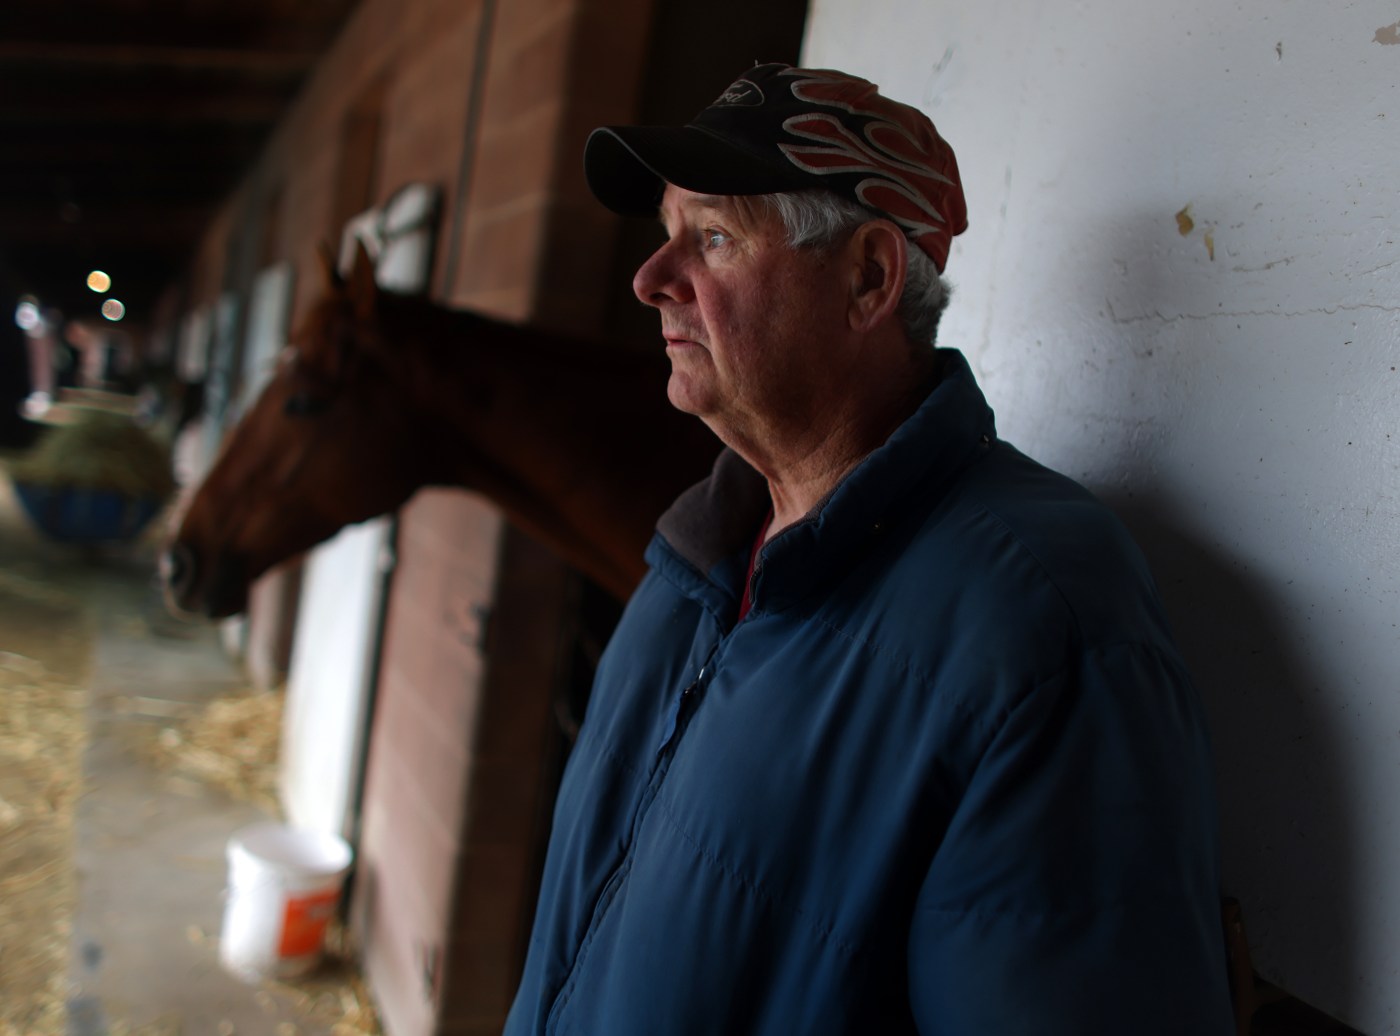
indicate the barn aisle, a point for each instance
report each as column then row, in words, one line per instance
column 119, row 854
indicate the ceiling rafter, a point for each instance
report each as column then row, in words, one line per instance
column 127, row 123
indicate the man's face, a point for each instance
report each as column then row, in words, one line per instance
column 747, row 319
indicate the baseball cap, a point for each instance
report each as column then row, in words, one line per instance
column 780, row 128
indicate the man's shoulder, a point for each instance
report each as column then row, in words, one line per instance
column 1049, row 514
column 1019, row 545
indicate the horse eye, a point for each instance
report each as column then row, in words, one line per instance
column 304, row 404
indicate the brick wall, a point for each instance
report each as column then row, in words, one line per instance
column 556, row 69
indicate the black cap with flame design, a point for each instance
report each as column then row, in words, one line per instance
column 780, row 128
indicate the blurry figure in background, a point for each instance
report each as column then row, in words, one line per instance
column 95, row 360
column 48, row 356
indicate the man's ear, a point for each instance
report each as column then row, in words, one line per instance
column 878, row 252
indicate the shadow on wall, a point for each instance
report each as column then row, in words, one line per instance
column 1288, row 812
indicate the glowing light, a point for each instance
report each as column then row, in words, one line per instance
column 99, row 281
column 27, row 314
column 113, row 310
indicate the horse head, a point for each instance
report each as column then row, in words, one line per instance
column 330, row 441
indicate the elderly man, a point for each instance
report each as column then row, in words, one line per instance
column 893, row 738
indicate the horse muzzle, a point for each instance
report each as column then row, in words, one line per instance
column 193, row 588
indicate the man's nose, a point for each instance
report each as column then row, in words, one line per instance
column 659, row 280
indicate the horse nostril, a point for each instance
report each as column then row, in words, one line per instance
column 177, row 567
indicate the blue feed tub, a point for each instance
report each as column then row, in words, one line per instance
column 74, row 515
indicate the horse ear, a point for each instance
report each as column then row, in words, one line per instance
column 364, row 292
column 328, row 266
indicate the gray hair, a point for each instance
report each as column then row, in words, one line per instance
column 819, row 218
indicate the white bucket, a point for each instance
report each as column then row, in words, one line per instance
column 283, row 887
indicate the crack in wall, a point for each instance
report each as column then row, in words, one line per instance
column 1160, row 317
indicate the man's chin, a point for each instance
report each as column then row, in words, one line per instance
column 684, row 394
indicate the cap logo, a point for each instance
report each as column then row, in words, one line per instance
column 742, row 93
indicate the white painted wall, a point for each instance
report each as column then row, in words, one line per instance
column 1231, row 390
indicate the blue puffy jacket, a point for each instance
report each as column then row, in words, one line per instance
column 948, row 777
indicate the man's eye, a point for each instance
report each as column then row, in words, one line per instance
column 715, row 238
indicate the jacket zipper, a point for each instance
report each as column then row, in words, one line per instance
column 684, row 707
column 678, row 714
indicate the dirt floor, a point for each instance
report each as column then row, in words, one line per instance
column 226, row 746
column 41, row 731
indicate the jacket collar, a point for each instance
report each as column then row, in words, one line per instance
column 711, row 526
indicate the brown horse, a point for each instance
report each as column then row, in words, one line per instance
column 379, row 395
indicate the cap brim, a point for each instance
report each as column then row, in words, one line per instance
column 628, row 167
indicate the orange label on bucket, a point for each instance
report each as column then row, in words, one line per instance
column 304, row 923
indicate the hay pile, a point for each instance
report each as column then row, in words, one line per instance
column 41, row 735
column 231, row 744
column 99, row 450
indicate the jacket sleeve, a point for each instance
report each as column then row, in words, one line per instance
column 1075, row 891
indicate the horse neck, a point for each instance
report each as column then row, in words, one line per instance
column 576, row 443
